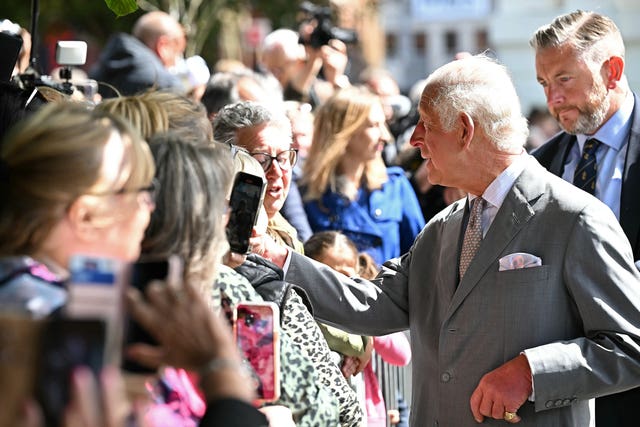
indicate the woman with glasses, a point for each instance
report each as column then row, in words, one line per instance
column 345, row 184
column 72, row 181
column 194, row 173
column 189, row 222
column 266, row 135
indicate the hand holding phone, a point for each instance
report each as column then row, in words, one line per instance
column 141, row 273
column 65, row 345
column 257, row 335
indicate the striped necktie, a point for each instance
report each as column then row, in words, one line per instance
column 472, row 235
column 586, row 171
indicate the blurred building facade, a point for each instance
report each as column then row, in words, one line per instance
column 421, row 35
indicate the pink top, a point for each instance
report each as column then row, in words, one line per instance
column 177, row 400
column 395, row 350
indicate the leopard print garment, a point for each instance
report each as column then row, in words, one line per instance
column 311, row 403
column 301, row 325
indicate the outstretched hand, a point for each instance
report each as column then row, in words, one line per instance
column 502, row 390
column 189, row 333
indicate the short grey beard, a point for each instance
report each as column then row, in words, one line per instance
column 588, row 123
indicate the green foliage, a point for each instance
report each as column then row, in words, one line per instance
column 122, row 7
column 282, row 13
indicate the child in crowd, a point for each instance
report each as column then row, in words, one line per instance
column 338, row 252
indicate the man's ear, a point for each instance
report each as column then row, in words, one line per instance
column 163, row 48
column 613, row 69
column 467, row 129
column 80, row 216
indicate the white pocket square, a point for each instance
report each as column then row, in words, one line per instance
column 519, row 260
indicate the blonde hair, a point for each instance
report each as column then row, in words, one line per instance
column 51, row 159
column 188, row 219
column 156, row 111
column 144, row 112
column 336, row 121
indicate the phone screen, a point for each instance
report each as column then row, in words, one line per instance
column 246, row 198
column 256, row 331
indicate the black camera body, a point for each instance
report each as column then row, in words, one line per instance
column 325, row 30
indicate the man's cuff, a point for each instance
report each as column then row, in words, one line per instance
column 532, row 396
column 287, row 261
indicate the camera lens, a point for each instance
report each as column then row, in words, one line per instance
column 249, row 319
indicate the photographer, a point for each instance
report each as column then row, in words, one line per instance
column 309, row 64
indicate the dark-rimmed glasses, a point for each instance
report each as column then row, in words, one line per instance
column 286, row 159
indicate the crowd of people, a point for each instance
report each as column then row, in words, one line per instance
column 442, row 228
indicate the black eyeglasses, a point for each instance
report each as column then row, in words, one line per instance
column 286, row 159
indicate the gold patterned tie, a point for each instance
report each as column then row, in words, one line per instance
column 472, row 235
column 586, row 171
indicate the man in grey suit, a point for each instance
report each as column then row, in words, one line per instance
column 542, row 319
column 580, row 65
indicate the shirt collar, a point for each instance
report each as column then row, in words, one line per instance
column 497, row 191
column 612, row 133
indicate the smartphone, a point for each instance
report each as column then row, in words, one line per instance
column 19, row 352
column 256, row 331
column 140, row 274
column 246, row 198
column 64, row 345
column 94, row 291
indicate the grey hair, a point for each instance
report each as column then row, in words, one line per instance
column 247, row 114
column 595, row 37
column 482, row 88
column 187, row 220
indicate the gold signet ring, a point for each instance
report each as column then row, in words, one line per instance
column 508, row 416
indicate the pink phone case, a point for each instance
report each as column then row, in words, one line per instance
column 256, row 330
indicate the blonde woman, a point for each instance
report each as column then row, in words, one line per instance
column 347, row 187
column 71, row 181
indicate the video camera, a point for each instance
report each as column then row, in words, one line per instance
column 324, row 30
column 68, row 54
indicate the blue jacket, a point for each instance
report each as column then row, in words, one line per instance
column 383, row 223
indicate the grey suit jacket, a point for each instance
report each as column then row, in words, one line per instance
column 576, row 316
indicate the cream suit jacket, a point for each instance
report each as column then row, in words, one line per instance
column 576, row 316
